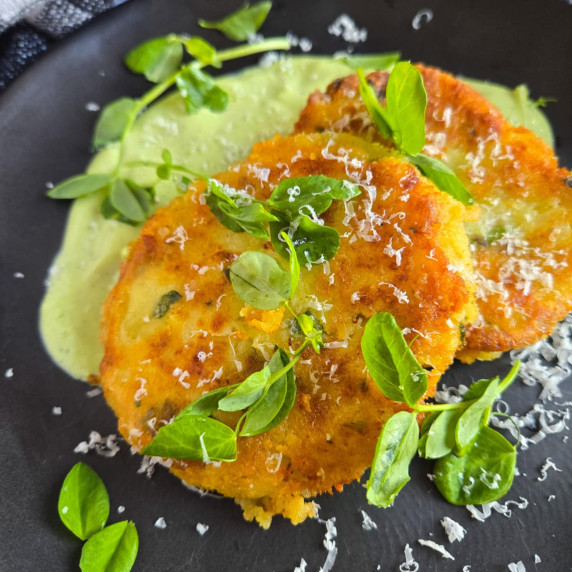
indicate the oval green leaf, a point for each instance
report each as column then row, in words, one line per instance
column 396, row 446
column 113, row 120
column 247, row 392
column 273, row 407
column 441, row 435
column 156, row 59
column 259, row 280
column 475, row 416
column 83, row 504
column 240, row 25
column 113, row 549
column 391, row 362
column 206, row 404
column 406, row 101
column 314, row 243
column 125, row 202
column 311, row 195
column 483, row 475
column 192, row 438
column 79, row 186
column 371, row 61
column 445, row 180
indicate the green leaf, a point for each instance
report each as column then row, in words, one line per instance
column 125, row 202
column 406, row 100
column 240, row 25
column 391, row 362
column 202, row 51
column 472, row 478
column 378, row 113
column 112, row 121
column 109, row 212
column 194, row 438
column 477, row 389
column 396, row 446
column 259, row 280
column 247, row 392
column 165, row 303
column 79, row 186
column 294, row 265
column 206, row 404
column 156, row 59
column 475, row 416
column 311, row 195
column 199, row 90
column 314, row 243
column 145, row 197
column 273, row 407
column 371, row 61
column 83, row 503
column 444, row 179
column 113, row 549
column 441, row 435
column 250, row 217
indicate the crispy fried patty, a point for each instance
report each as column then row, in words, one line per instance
column 521, row 244
column 403, row 250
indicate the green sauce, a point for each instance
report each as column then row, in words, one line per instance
column 263, row 102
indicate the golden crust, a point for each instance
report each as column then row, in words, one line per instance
column 402, row 250
column 521, row 244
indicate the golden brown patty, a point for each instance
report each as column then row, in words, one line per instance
column 522, row 243
column 403, row 250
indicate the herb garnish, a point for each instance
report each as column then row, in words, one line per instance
column 475, row 463
column 402, row 121
column 83, row 507
column 243, row 23
column 266, row 396
column 292, row 208
column 161, row 61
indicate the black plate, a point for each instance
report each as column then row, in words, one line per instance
column 44, row 135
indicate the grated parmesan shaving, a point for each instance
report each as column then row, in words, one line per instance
column 160, row 523
column 437, row 547
column 103, row 446
column 485, row 512
column 410, row 564
column 345, row 27
column 367, row 524
column 453, row 529
column 421, row 18
column 544, row 469
column 202, row 529
column 517, row 566
column 330, row 544
column 302, row 567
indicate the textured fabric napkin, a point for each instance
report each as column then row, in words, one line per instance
column 29, row 27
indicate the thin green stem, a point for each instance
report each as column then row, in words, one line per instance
column 155, row 164
column 429, row 407
column 510, row 377
column 251, row 49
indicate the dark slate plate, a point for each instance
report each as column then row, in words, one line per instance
column 44, row 135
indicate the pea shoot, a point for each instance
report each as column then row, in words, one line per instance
column 475, row 464
column 83, row 507
column 161, row 61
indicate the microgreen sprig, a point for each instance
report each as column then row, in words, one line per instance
column 293, row 208
column 161, row 61
column 402, row 121
column 83, row 507
column 475, row 464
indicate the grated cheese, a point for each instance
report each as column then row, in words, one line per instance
column 9, row 373
column 410, row 564
column 330, row 544
column 544, row 469
column 367, row 524
column 453, row 529
column 103, row 446
column 160, row 523
column 202, row 529
column 345, row 27
column 437, row 547
column 56, row 410
column 517, row 566
column 302, row 567
column 421, row 18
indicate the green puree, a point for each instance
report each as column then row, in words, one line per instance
column 264, row 101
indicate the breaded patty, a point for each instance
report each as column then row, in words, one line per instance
column 403, row 250
column 522, row 242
